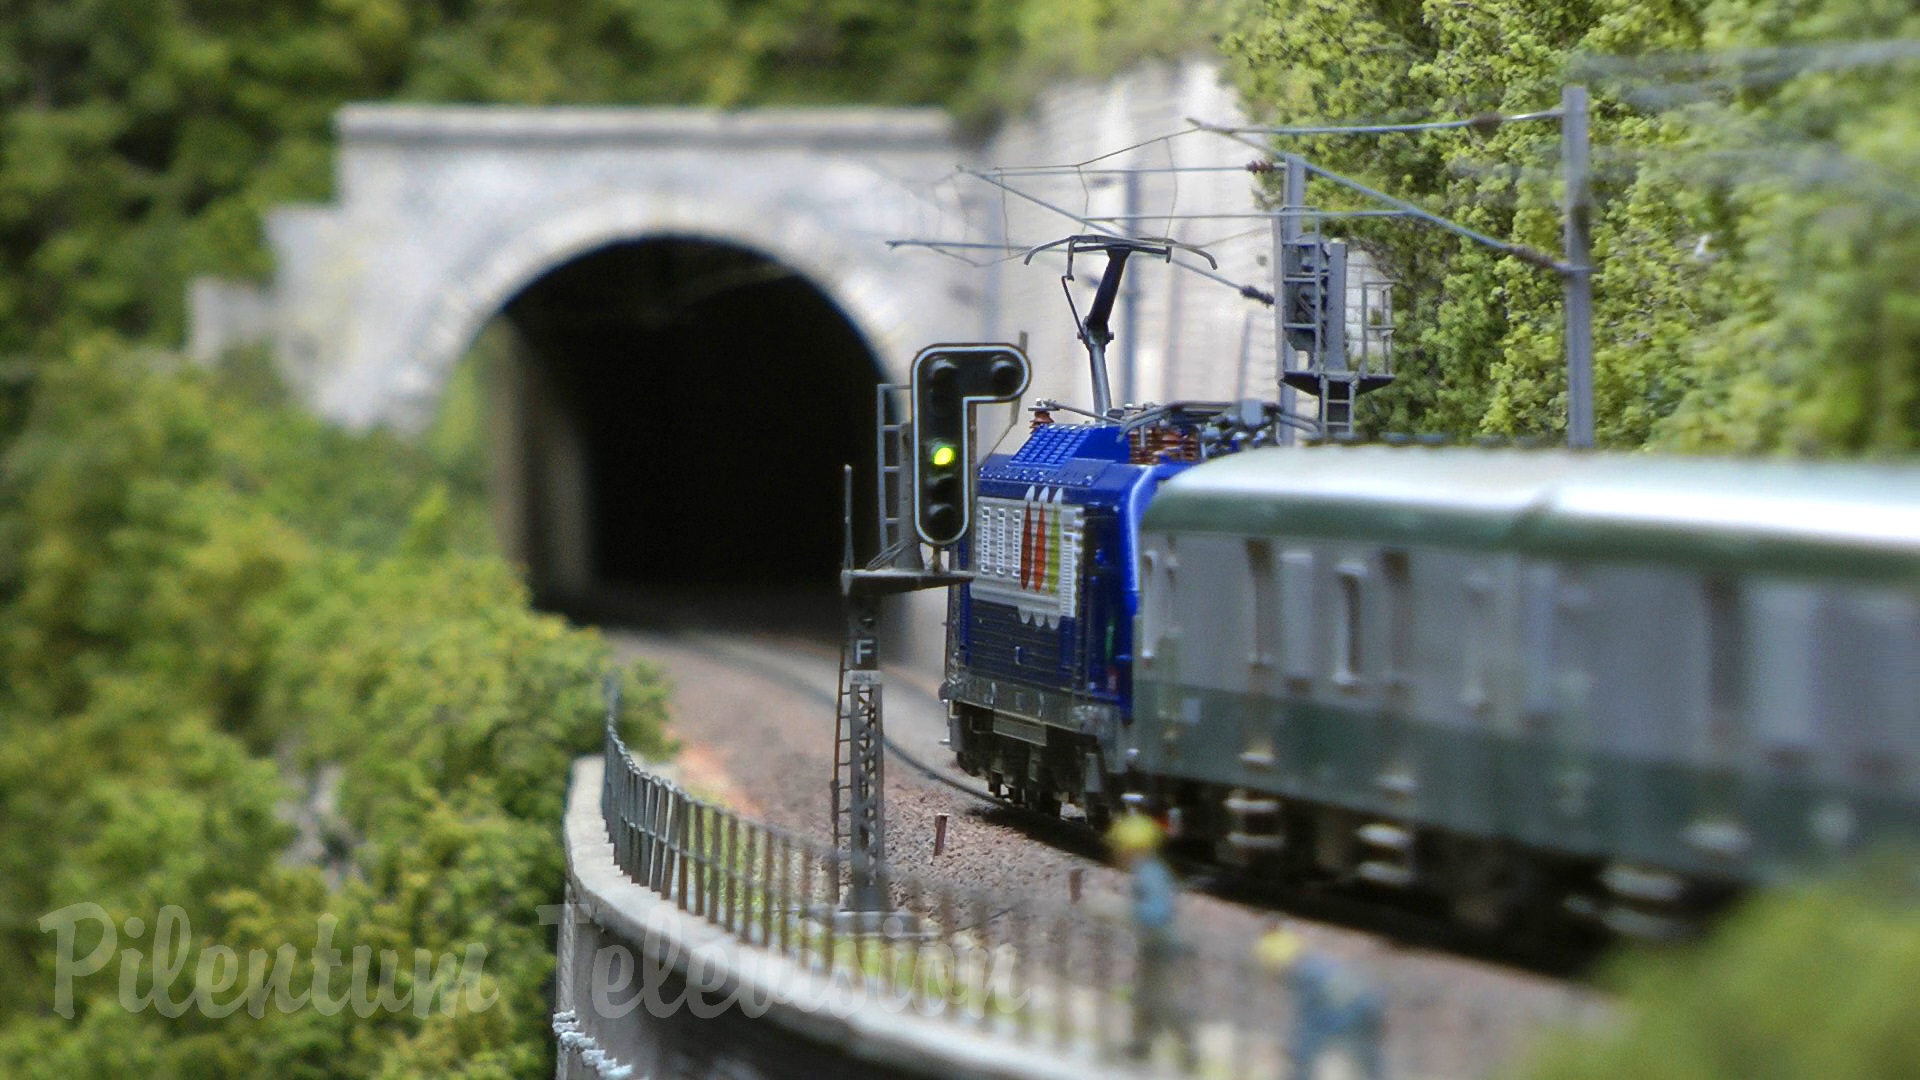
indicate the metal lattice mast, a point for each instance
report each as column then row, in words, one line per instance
column 859, row 751
column 1310, row 312
column 859, row 823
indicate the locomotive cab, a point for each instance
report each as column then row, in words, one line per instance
column 1040, row 638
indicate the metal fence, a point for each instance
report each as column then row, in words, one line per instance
column 1060, row 977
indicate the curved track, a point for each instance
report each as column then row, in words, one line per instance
column 1357, row 906
column 753, row 714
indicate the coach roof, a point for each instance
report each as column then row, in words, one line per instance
column 1853, row 519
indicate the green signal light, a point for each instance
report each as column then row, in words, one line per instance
column 942, row 455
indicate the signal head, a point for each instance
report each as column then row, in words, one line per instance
column 948, row 380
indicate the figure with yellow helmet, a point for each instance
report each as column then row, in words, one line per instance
column 1331, row 1003
column 1157, row 1006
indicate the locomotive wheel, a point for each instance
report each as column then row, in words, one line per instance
column 1045, row 804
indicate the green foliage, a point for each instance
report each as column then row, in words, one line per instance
column 208, row 600
column 1746, row 244
column 1025, row 44
column 1821, row 351
column 1813, row 981
column 140, row 143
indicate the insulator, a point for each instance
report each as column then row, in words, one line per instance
column 1160, row 443
column 1175, row 444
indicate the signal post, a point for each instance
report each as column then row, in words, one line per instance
column 947, row 382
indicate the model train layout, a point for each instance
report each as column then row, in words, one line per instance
column 1525, row 682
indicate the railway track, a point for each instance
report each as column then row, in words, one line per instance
column 1355, row 905
column 804, row 669
column 758, row 708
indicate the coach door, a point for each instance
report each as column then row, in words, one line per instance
column 1718, row 831
column 1548, row 770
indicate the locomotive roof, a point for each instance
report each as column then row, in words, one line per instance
column 1715, row 513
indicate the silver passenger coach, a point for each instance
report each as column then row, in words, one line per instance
column 1515, row 678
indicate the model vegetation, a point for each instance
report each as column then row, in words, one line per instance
column 140, row 144
column 266, row 671
column 1810, row 981
column 1757, row 227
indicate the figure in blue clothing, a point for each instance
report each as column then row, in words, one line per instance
column 1157, row 1004
column 1331, row 1003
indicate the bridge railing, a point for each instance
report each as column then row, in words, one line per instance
column 1062, row 978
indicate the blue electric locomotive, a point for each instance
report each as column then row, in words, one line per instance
column 1044, row 631
column 1039, row 666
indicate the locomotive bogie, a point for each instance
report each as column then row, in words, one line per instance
column 1034, row 765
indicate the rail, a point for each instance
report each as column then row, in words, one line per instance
column 1060, row 978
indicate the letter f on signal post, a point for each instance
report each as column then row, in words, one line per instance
column 948, row 381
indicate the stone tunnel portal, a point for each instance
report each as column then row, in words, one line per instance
column 679, row 413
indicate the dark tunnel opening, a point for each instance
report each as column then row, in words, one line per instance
column 711, row 397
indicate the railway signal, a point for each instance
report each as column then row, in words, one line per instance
column 948, row 381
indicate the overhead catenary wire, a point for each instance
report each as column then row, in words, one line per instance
column 1108, row 224
column 1228, row 238
column 1251, row 292
column 1738, row 68
column 1141, row 145
column 1483, row 121
column 1255, row 215
column 1412, row 210
column 1011, row 251
column 957, row 244
column 999, row 175
column 1118, row 170
column 1018, row 250
column 1008, row 252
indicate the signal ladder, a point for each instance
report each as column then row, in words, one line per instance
column 857, row 712
column 858, row 752
column 1311, row 312
column 859, row 742
column 898, row 547
column 967, row 372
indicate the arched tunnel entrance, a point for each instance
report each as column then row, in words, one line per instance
column 681, row 410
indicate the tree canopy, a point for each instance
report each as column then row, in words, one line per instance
column 141, row 142
column 1755, row 229
column 1812, row 980
column 266, row 672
